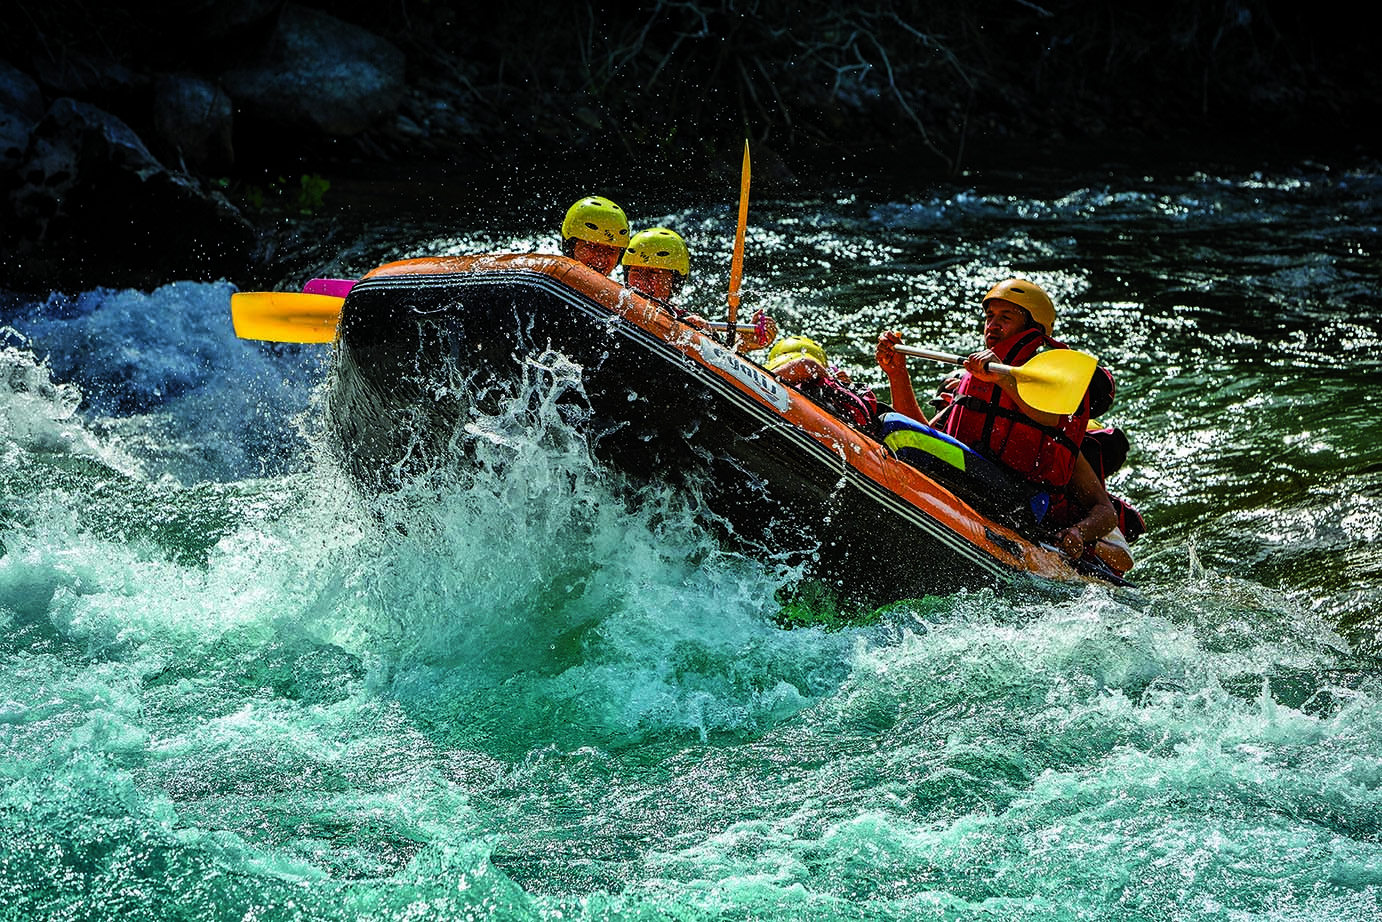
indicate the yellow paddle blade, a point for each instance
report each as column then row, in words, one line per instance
column 1056, row 380
column 285, row 316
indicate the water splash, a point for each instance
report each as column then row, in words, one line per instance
column 242, row 692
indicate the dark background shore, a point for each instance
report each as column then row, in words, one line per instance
column 145, row 142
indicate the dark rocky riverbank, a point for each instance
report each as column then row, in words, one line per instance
column 144, row 143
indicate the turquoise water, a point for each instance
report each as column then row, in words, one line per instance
column 229, row 691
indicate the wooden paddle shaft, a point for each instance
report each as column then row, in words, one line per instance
column 949, row 358
column 736, row 265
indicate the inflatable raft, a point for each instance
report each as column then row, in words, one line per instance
column 423, row 343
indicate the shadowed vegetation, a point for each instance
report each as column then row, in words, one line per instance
column 943, row 85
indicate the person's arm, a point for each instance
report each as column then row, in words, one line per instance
column 1113, row 550
column 978, row 365
column 1086, row 492
column 902, row 395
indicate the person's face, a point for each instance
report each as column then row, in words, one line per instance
column 599, row 256
column 655, row 283
column 1003, row 319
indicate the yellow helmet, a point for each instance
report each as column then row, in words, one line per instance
column 794, row 347
column 1028, row 296
column 659, row 248
column 598, row 220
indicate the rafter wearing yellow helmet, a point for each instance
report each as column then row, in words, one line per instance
column 800, row 362
column 657, row 263
column 595, row 231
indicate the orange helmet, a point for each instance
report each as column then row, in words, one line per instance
column 1028, row 296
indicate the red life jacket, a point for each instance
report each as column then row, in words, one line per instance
column 859, row 408
column 989, row 421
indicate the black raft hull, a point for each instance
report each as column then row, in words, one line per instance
column 423, row 344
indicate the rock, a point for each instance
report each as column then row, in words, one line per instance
column 89, row 77
column 222, row 20
column 207, row 36
column 96, row 208
column 21, row 106
column 193, row 118
column 320, row 72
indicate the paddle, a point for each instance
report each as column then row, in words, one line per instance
column 1053, row 381
column 337, row 288
column 736, row 265
column 288, row 317
column 285, row 316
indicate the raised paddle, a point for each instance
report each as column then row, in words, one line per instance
column 736, row 265
column 285, row 316
column 1053, row 381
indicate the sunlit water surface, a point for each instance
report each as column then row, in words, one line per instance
column 227, row 691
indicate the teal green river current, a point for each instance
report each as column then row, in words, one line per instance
column 227, row 693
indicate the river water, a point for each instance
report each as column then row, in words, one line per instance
column 227, row 693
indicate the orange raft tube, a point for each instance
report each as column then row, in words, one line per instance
column 423, row 343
